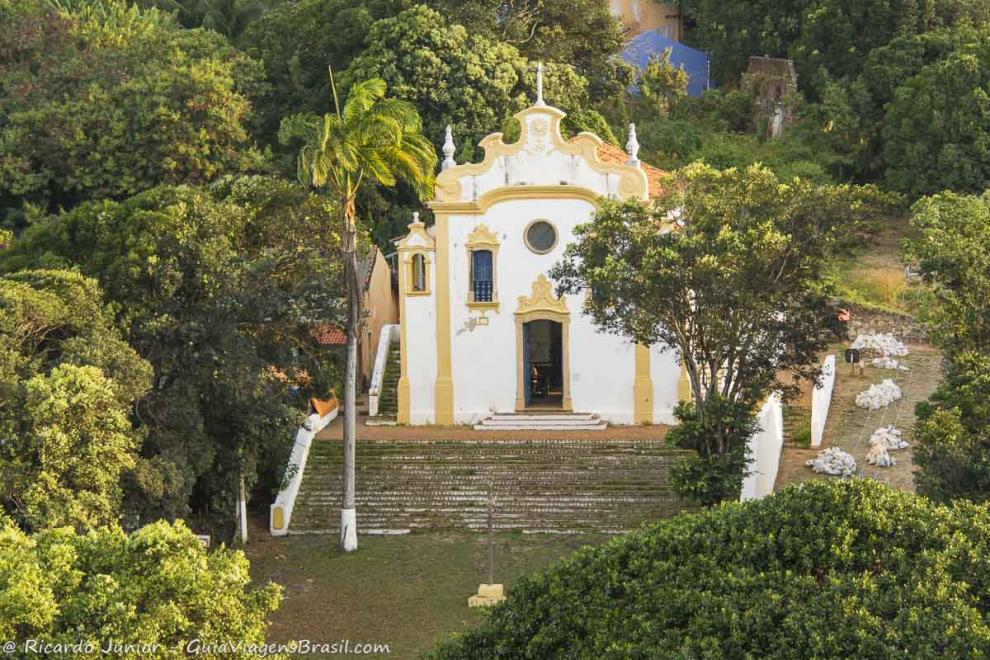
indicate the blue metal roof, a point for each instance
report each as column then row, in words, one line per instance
column 648, row 44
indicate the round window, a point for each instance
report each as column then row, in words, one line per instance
column 541, row 237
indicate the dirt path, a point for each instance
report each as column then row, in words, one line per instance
column 850, row 427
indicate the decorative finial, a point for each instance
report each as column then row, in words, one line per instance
column 415, row 218
column 632, row 147
column 448, row 150
column 539, row 84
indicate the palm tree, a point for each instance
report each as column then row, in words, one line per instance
column 372, row 139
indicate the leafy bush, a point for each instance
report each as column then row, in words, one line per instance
column 827, row 569
column 717, row 473
column 156, row 586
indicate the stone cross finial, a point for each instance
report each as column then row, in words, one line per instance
column 539, row 84
column 448, row 150
column 632, row 147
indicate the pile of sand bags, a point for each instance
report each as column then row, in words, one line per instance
column 833, row 461
column 882, row 344
column 884, row 440
column 879, row 396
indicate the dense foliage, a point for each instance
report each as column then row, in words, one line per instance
column 107, row 101
column 826, row 569
column 953, row 254
column 67, row 383
column 457, row 77
column 158, row 586
column 723, row 268
column 827, row 38
column 218, row 290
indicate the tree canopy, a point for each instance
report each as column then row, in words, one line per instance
column 723, row 269
column 68, row 383
column 218, row 290
column 157, row 586
column 953, row 253
column 104, row 101
column 826, row 569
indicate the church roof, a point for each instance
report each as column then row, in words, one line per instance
column 609, row 153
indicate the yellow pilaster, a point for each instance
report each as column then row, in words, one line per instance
column 402, row 417
column 684, row 385
column 444, row 392
column 643, row 387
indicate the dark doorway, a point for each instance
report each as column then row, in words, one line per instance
column 543, row 360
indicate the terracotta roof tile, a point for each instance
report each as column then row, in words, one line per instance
column 328, row 334
column 609, row 153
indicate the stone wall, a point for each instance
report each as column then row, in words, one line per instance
column 537, row 485
column 867, row 321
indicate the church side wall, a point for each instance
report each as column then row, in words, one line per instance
column 420, row 333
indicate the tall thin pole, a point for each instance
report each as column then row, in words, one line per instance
column 491, row 537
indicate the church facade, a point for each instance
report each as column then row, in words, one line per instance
column 482, row 330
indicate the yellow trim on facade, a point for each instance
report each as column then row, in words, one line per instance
column 492, row 197
column 632, row 180
column 643, row 387
column 482, row 238
column 684, row 392
column 408, row 262
column 542, row 305
column 444, row 391
column 403, row 393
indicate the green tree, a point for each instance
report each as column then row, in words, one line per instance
column 952, row 251
column 218, row 289
column 456, row 77
column 662, row 84
column 827, row 569
column 67, row 385
column 297, row 41
column 936, row 131
column 157, row 586
column 68, row 455
column 724, row 269
column 581, row 33
column 828, row 39
column 105, row 100
column 370, row 139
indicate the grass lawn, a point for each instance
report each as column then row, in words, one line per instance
column 405, row 591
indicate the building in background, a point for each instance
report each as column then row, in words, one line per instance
column 649, row 16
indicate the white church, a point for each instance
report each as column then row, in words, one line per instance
column 483, row 335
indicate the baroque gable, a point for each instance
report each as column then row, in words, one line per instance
column 539, row 164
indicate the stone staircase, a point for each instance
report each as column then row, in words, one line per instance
column 581, row 485
column 388, row 401
column 542, row 421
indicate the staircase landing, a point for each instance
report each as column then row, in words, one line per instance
column 542, row 421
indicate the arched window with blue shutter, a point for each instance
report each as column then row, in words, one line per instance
column 482, row 275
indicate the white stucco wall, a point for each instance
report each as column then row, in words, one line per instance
column 765, row 447
column 421, row 350
column 485, row 359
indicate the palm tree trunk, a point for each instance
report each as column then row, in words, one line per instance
column 348, row 516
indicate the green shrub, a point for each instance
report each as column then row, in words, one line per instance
column 826, row 569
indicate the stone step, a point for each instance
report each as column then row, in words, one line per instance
column 542, row 422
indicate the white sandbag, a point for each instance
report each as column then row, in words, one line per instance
column 833, row 461
column 879, row 396
column 885, row 345
column 888, row 437
column 879, row 456
column 888, row 363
